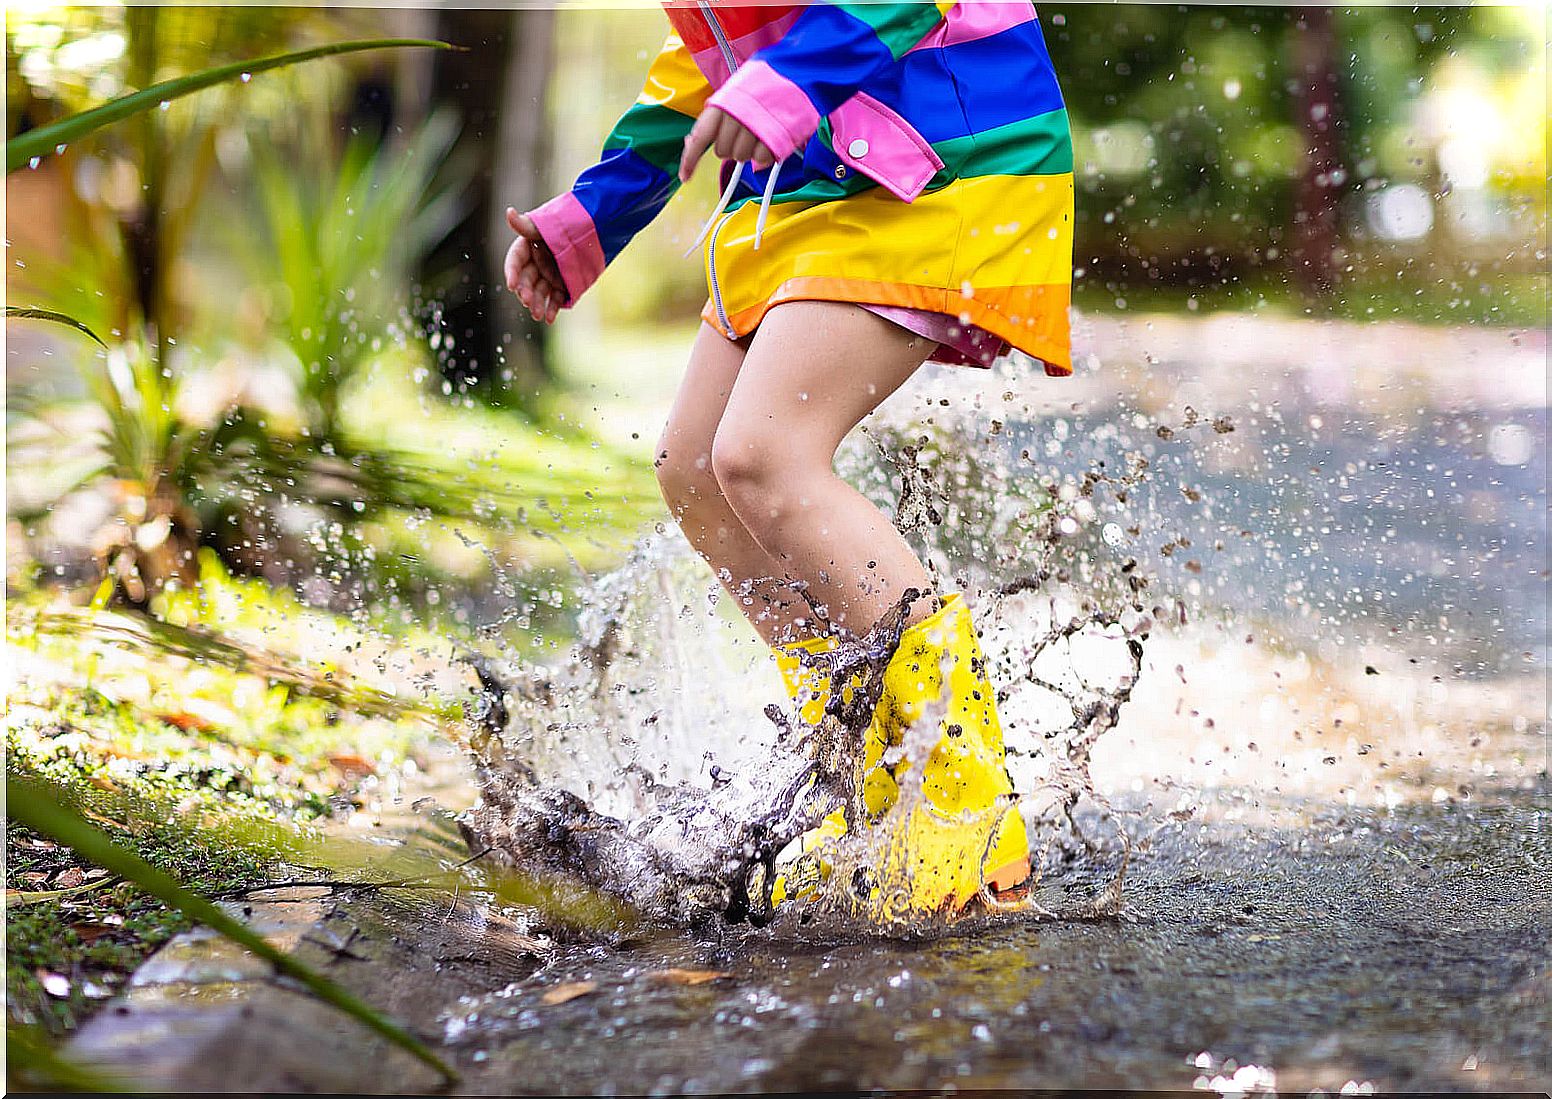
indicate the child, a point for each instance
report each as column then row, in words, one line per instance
column 898, row 187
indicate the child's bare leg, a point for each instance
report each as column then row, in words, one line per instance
column 813, row 370
column 684, row 472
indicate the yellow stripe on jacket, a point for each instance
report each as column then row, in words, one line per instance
column 1012, row 233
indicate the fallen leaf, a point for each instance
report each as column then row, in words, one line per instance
column 686, row 976
column 90, row 932
column 187, row 722
column 351, row 765
column 560, row 994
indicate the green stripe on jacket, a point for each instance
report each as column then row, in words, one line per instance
column 1037, row 146
column 655, row 132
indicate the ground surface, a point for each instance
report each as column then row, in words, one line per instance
column 1404, row 949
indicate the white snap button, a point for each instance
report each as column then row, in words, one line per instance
column 858, row 148
column 840, row 171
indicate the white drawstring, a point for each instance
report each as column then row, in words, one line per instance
column 765, row 202
column 727, row 197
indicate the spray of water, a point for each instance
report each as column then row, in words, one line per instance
column 636, row 765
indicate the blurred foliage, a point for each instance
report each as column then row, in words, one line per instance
column 1189, row 145
column 67, row 955
column 211, row 738
column 31, row 146
column 338, row 235
column 187, row 439
column 49, row 315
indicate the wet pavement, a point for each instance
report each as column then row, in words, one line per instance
column 1407, row 949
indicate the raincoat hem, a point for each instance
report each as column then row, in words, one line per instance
column 1054, row 352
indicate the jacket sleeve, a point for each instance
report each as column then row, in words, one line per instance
column 587, row 226
column 831, row 50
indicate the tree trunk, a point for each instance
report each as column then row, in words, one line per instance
column 142, row 229
column 1321, row 179
column 497, row 82
column 523, row 152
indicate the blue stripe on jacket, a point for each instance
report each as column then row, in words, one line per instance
column 1013, row 81
column 622, row 193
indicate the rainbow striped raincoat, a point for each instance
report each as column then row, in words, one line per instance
column 925, row 166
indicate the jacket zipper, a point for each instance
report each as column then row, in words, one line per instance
column 716, row 32
column 711, row 271
column 711, row 248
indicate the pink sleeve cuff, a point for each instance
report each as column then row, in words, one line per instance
column 770, row 106
column 568, row 231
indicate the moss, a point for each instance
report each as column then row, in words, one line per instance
column 219, row 774
column 66, row 956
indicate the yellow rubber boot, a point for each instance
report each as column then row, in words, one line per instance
column 803, row 874
column 960, row 837
column 797, row 677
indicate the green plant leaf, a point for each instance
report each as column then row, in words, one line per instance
column 28, row 312
column 36, row 806
column 31, row 1063
column 20, row 150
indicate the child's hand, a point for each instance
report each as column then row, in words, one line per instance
column 531, row 271
column 731, row 139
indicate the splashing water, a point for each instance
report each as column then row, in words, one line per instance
column 642, row 766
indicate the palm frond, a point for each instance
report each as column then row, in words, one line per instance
column 33, row 313
column 25, row 148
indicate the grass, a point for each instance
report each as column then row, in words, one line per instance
column 65, row 956
column 218, row 771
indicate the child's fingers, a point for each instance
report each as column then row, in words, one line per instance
column 513, row 265
column 547, row 265
column 700, row 138
column 744, row 145
column 531, row 271
column 538, row 250
column 523, row 225
column 729, row 134
column 527, row 287
column 557, row 299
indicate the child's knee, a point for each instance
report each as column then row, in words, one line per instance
column 684, row 470
column 745, row 462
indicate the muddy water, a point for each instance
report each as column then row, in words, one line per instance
column 1403, row 949
column 1331, row 770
